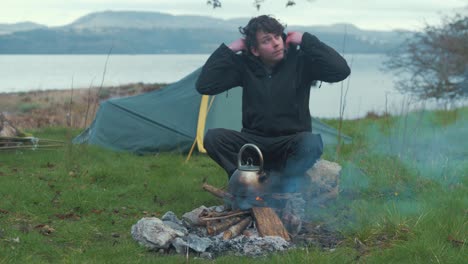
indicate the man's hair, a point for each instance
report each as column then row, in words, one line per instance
column 263, row 23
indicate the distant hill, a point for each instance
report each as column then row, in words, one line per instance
column 146, row 20
column 152, row 33
column 23, row 26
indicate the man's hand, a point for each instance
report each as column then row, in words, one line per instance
column 238, row 45
column 294, row 37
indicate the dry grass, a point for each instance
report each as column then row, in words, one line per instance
column 72, row 108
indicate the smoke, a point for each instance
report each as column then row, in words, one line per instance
column 403, row 158
column 431, row 143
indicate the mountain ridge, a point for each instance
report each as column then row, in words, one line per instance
column 138, row 32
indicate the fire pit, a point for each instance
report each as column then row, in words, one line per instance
column 268, row 223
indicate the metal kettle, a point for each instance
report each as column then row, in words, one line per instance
column 248, row 181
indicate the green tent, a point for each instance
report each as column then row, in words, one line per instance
column 174, row 118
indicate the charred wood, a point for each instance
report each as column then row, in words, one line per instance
column 237, row 229
column 216, row 227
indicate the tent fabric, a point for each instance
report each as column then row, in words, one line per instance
column 168, row 119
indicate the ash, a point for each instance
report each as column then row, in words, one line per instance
column 252, row 245
column 169, row 235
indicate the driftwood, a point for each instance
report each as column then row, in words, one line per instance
column 216, row 227
column 268, row 223
column 237, row 229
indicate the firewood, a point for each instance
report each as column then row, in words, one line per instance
column 237, row 229
column 222, row 216
column 268, row 223
column 216, row 227
column 216, row 192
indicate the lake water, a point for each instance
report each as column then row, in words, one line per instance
column 369, row 89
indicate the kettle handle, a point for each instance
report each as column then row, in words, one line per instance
column 248, row 145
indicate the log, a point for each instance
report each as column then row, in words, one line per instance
column 237, row 229
column 216, row 227
column 216, row 192
column 221, row 216
column 268, row 223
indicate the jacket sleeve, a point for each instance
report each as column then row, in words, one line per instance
column 323, row 63
column 221, row 72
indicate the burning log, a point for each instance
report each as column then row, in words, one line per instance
column 216, row 227
column 237, row 229
column 268, row 223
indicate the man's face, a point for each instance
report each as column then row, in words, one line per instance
column 270, row 48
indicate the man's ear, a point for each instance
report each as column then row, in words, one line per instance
column 254, row 51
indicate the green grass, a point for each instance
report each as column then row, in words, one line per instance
column 77, row 204
column 28, row 107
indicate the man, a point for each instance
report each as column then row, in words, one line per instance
column 276, row 72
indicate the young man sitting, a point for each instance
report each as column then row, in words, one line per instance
column 275, row 71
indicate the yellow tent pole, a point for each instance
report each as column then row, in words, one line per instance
column 205, row 106
column 191, row 150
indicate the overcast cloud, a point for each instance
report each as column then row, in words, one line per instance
column 366, row 14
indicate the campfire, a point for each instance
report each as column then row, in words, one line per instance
column 260, row 211
column 262, row 224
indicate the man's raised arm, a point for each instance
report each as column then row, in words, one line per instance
column 222, row 70
column 323, row 62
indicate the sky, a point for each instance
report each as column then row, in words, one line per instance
column 366, row 14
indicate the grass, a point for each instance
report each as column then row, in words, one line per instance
column 77, row 204
column 28, row 107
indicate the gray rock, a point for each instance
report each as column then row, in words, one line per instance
column 152, row 233
column 199, row 231
column 199, row 244
column 177, row 227
column 180, row 245
column 206, row 255
column 192, row 218
column 218, row 208
column 324, row 178
column 170, row 216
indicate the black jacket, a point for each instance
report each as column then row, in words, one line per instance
column 274, row 104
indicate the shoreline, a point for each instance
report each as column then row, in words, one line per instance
column 75, row 108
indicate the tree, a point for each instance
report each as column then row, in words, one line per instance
column 433, row 64
column 256, row 3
